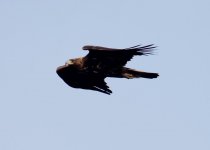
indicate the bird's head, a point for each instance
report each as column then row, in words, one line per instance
column 69, row 62
column 65, row 69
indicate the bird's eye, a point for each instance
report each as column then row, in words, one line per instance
column 69, row 62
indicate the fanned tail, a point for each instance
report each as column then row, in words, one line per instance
column 131, row 73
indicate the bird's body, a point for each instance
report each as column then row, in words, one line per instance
column 90, row 71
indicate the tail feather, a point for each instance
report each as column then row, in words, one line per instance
column 131, row 73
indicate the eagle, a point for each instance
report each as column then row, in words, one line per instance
column 89, row 72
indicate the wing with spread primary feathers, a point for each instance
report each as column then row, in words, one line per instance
column 115, row 57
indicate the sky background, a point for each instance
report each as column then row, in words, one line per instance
column 38, row 111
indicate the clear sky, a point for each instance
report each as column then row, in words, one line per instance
column 38, row 111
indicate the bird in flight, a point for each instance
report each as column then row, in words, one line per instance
column 89, row 72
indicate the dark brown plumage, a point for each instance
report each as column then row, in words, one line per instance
column 90, row 71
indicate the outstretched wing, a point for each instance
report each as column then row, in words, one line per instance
column 114, row 57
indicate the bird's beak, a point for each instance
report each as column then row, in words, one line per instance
column 60, row 68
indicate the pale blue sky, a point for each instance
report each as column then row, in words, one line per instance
column 38, row 111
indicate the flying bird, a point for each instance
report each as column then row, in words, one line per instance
column 89, row 72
